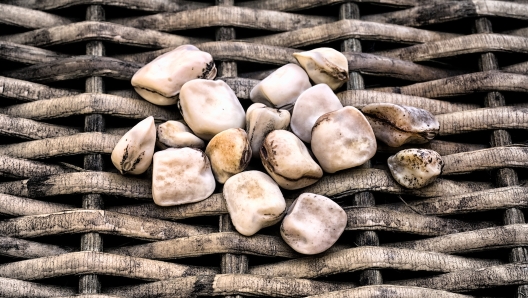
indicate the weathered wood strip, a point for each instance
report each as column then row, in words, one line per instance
column 508, row 117
column 27, row 54
column 29, row 129
column 492, row 199
column 442, row 147
column 89, row 103
column 385, row 291
column 27, row 91
column 473, row 279
column 366, row 257
column 231, row 16
column 479, row 240
column 147, row 5
column 229, row 284
column 486, row 159
column 74, row 68
column 17, row 288
column 475, row 43
column 98, row 263
column 350, row 29
column 25, row 249
column 102, row 31
column 29, row 18
column 360, row 98
column 24, row 168
column 293, row 5
column 80, row 183
column 100, row 221
column 372, row 218
column 20, row 206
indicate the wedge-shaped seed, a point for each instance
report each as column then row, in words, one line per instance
column 310, row 105
column 396, row 125
column 313, row 224
column 288, row 161
column 342, row 139
column 181, row 176
column 282, row 87
column 210, row 107
column 133, row 153
column 324, row 65
column 415, row 168
column 229, row 153
column 161, row 80
column 254, row 201
column 175, row 134
column 260, row 121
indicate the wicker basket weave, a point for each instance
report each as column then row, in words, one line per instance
column 67, row 100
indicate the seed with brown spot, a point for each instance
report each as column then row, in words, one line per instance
column 415, row 168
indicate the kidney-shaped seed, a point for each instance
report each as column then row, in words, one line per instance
column 415, row 168
column 175, row 134
column 325, row 65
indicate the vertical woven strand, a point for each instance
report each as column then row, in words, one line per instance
column 231, row 263
column 365, row 199
column 505, row 176
column 89, row 283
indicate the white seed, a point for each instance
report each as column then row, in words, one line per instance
column 260, row 121
column 210, row 107
column 254, row 201
column 415, row 168
column 160, row 80
column 313, row 224
column 324, row 65
column 181, row 176
column 288, row 161
column 310, row 105
column 342, row 139
column 396, row 125
column 175, row 134
column 133, row 153
column 281, row 88
column 229, row 153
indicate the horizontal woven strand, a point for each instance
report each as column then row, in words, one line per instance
column 147, row 5
column 83, row 221
column 225, row 16
column 27, row 54
column 486, row 159
column 293, row 5
column 20, row 206
column 390, row 291
column 475, row 43
column 229, row 284
column 442, row 147
column 28, row 18
column 473, row 279
column 360, row 98
column 89, row 103
column 80, row 183
column 378, row 219
column 89, row 262
column 479, row 240
column 24, row 168
column 227, row 242
column 14, row 288
column 29, row 129
column 345, row 29
column 520, row 68
column 367, row 257
column 102, row 31
column 27, row 91
column 25, row 249
column 486, row 200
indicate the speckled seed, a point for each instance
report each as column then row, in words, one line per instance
column 210, row 107
column 288, row 161
column 175, row 134
column 415, row 168
column 254, row 201
column 282, row 87
column 160, row 80
column 133, row 153
column 260, row 121
column 310, row 105
column 181, row 176
column 396, row 125
column 342, row 139
column 324, row 65
column 313, row 224
column 229, row 153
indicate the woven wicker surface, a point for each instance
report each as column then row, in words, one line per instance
column 72, row 225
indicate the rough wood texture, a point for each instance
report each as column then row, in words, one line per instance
column 24, row 168
column 30, row 130
column 390, row 291
column 20, row 248
column 27, row 91
column 20, row 206
column 27, row 54
column 147, row 5
column 17, row 288
column 360, row 258
column 28, row 18
column 486, row 159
